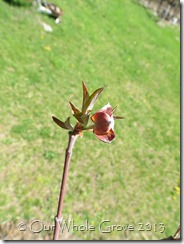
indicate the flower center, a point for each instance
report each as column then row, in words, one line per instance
column 102, row 123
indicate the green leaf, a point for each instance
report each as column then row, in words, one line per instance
column 91, row 101
column 85, row 118
column 79, row 117
column 68, row 124
column 82, row 118
column 65, row 125
column 60, row 123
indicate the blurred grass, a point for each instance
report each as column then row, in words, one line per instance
column 105, row 43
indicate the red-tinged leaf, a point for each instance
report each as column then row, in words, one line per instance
column 92, row 99
column 74, row 109
column 85, row 95
column 60, row 123
column 114, row 110
column 68, row 125
column 118, row 117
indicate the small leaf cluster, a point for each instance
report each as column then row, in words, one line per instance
column 82, row 116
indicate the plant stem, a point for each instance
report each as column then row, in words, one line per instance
column 71, row 142
column 177, row 233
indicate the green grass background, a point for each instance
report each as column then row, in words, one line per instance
column 112, row 43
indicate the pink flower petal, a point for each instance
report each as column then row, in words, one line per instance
column 107, row 109
column 109, row 137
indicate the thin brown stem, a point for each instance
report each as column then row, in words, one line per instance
column 177, row 233
column 58, row 218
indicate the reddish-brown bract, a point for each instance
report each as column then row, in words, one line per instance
column 104, row 124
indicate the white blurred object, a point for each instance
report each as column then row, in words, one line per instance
column 174, row 20
column 44, row 10
column 46, row 27
column 50, row 9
